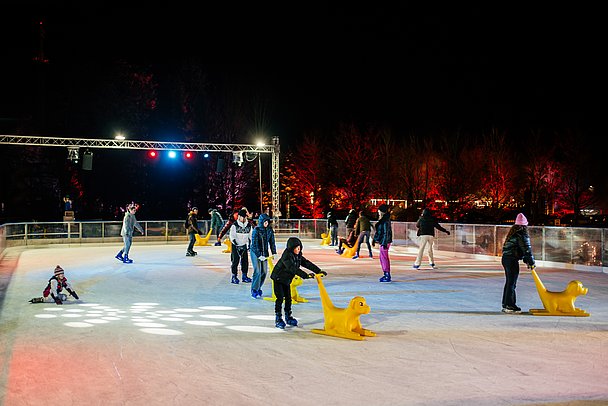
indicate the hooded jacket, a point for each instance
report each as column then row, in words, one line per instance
column 288, row 266
column 262, row 238
column 427, row 224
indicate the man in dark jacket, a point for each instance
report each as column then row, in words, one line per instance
column 384, row 237
column 332, row 228
column 350, row 221
column 427, row 224
column 193, row 230
column 287, row 267
column 363, row 227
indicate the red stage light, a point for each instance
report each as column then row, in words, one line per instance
column 188, row 155
column 152, row 154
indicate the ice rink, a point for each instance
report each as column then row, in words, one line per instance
column 172, row 330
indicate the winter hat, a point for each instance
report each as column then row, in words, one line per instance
column 58, row 270
column 243, row 213
column 521, row 220
column 194, row 208
column 383, row 208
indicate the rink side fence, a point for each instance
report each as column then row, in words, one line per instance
column 570, row 247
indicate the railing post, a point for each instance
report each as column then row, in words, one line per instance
column 25, row 233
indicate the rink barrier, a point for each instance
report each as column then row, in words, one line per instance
column 572, row 247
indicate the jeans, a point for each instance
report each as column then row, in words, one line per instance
column 260, row 270
column 127, row 239
column 192, row 241
column 511, row 266
column 385, row 261
column 333, row 232
column 364, row 237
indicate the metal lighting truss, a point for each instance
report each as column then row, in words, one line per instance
column 74, row 143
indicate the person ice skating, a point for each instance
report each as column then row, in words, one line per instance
column 240, row 237
column 349, row 241
column 427, row 224
column 384, row 237
column 129, row 223
column 193, row 230
column 517, row 246
column 262, row 249
column 286, row 268
column 363, row 227
column 217, row 222
column 332, row 229
column 350, row 221
column 226, row 228
column 54, row 290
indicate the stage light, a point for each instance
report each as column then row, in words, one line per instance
column 152, row 154
column 188, row 155
column 172, row 154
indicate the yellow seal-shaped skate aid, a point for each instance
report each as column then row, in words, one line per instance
column 559, row 303
column 350, row 252
column 293, row 287
column 343, row 323
column 325, row 239
column 228, row 246
column 202, row 240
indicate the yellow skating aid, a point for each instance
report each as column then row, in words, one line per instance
column 202, row 240
column 228, row 246
column 295, row 296
column 343, row 323
column 325, row 239
column 350, row 252
column 559, row 303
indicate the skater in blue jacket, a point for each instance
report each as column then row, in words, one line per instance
column 263, row 249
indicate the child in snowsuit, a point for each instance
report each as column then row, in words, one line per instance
column 287, row 267
column 54, row 289
column 263, row 247
column 240, row 236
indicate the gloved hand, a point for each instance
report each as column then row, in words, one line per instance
column 311, row 275
column 531, row 267
column 447, row 232
column 323, row 273
column 262, row 258
column 73, row 293
column 200, row 233
column 373, row 243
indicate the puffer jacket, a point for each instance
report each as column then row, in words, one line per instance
column 518, row 246
column 288, row 266
column 262, row 238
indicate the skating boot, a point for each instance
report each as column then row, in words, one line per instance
column 190, row 254
column 37, row 300
column 119, row 256
column 291, row 321
column 234, row 280
column 127, row 260
column 246, row 279
column 386, row 277
column 218, row 244
column 278, row 322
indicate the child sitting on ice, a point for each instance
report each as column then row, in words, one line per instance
column 55, row 287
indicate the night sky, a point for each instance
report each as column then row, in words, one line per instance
column 406, row 66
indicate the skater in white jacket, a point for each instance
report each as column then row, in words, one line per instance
column 240, row 237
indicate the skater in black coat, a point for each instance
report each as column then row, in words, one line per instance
column 287, row 267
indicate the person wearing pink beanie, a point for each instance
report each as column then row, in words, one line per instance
column 517, row 246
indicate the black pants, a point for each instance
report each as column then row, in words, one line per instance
column 511, row 266
column 239, row 255
column 283, row 293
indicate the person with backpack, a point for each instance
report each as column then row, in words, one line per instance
column 217, row 222
column 191, row 226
